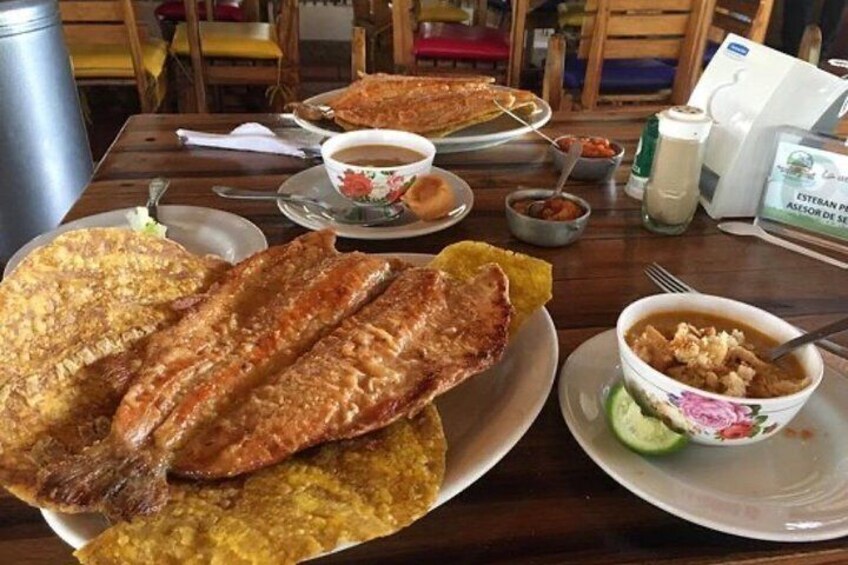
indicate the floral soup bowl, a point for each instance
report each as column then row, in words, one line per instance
column 709, row 418
column 375, row 186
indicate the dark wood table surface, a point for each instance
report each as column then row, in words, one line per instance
column 546, row 501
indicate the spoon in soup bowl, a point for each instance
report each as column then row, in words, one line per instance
column 809, row 337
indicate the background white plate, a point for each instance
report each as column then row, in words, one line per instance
column 480, row 136
column 314, row 183
column 483, row 418
column 781, row 489
column 200, row 230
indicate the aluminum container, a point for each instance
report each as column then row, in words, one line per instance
column 45, row 160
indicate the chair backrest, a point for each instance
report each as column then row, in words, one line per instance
column 404, row 25
column 748, row 18
column 639, row 29
column 106, row 22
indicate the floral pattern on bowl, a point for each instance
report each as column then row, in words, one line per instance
column 726, row 420
column 703, row 418
column 374, row 187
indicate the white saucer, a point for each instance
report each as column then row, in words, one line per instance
column 200, row 230
column 782, row 489
column 314, row 183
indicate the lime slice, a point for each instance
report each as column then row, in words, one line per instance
column 643, row 434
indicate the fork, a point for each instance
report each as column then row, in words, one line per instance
column 671, row 284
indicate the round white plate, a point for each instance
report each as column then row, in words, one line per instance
column 483, row 418
column 314, row 183
column 200, row 230
column 480, row 136
column 782, row 489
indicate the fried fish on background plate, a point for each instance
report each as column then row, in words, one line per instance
column 263, row 314
column 344, row 492
column 430, row 106
column 68, row 310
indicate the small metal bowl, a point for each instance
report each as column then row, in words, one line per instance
column 600, row 169
column 545, row 233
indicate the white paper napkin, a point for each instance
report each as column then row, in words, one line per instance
column 254, row 137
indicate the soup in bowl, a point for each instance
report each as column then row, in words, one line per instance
column 376, row 167
column 698, row 363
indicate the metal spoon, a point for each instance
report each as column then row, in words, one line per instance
column 574, row 152
column 525, row 122
column 155, row 190
column 351, row 215
column 809, row 337
column 746, row 229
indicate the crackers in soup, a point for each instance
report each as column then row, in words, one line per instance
column 715, row 354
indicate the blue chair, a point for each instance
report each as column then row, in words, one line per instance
column 626, row 56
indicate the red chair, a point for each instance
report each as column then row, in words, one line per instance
column 460, row 42
column 429, row 48
column 174, row 11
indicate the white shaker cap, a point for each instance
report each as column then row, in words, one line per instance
column 685, row 122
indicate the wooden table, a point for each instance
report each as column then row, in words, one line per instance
column 546, row 501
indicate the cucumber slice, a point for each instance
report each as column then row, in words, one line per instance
column 643, row 434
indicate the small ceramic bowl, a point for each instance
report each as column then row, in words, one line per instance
column 600, row 169
column 545, row 233
column 709, row 418
column 375, row 186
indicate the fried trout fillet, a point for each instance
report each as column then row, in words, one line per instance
column 266, row 312
column 424, row 335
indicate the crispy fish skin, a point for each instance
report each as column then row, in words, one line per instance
column 267, row 312
column 424, row 335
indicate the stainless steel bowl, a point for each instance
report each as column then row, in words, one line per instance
column 545, row 233
column 598, row 169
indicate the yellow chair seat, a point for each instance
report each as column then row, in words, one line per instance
column 571, row 19
column 441, row 11
column 115, row 61
column 248, row 40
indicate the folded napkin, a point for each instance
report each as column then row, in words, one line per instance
column 255, row 137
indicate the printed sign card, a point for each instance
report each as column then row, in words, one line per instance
column 807, row 187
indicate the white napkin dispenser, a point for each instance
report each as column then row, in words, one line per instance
column 748, row 89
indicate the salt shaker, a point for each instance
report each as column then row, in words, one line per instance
column 671, row 194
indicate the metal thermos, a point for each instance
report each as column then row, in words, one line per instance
column 45, row 160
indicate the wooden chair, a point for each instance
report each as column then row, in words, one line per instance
column 441, row 48
column 374, row 18
column 746, row 18
column 241, row 53
column 631, row 52
column 109, row 47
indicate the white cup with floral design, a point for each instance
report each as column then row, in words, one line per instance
column 709, row 418
column 375, row 186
